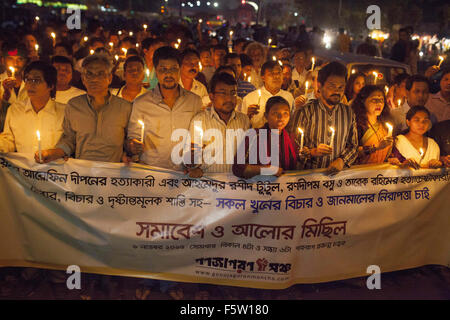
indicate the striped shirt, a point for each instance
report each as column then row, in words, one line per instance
column 315, row 119
column 209, row 119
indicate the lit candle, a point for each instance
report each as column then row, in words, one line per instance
column 421, row 155
column 231, row 34
column 36, row 47
column 145, row 27
column 259, row 96
column 124, row 51
column 176, row 45
column 441, row 58
column 137, row 45
column 332, row 137
column 280, row 63
column 200, row 131
column 85, row 39
column 269, row 41
column 119, row 33
column 38, row 134
column 131, row 33
column 53, row 35
column 313, row 62
column 200, row 67
column 353, row 71
column 390, row 128
column 249, row 79
column 399, row 102
column 13, row 71
column 111, row 44
column 147, row 72
column 301, row 139
column 37, row 18
column 375, row 74
column 142, row 130
column 179, row 41
column 306, row 86
column 92, row 51
column 116, row 57
column 386, row 89
column 200, row 20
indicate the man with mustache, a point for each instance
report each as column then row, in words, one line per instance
column 316, row 118
column 221, row 116
column 190, row 63
column 162, row 110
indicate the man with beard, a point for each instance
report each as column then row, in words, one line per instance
column 220, row 117
column 162, row 110
column 190, row 63
column 319, row 117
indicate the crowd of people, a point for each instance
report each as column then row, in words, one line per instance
column 88, row 96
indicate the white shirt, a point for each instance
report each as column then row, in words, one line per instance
column 408, row 151
column 22, row 93
column 258, row 120
column 438, row 107
column 22, row 122
column 300, row 77
column 64, row 96
column 220, row 145
column 160, row 122
column 199, row 89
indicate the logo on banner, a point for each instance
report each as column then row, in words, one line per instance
column 262, row 264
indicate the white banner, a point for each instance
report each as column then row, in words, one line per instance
column 267, row 232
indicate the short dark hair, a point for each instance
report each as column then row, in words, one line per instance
column 414, row 109
column 400, row 78
column 149, row 42
column 49, row 72
column 132, row 52
column 269, row 65
column 332, row 69
column 188, row 52
column 221, row 69
column 230, row 56
column 166, row 53
column 274, row 101
column 203, row 49
column 61, row 59
column 221, row 78
column 219, row 47
column 246, row 60
column 66, row 47
column 416, row 78
column 132, row 59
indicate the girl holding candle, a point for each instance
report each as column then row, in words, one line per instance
column 277, row 114
column 414, row 149
column 372, row 114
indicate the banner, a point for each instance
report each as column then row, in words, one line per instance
column 267, row 232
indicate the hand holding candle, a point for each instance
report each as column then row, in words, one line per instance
column 333, row 132
column 441, row 59
column 301, row 139
column 38, row 134
column 390, row 128
column 142, row 130
column 13, row 71
column 313, row 61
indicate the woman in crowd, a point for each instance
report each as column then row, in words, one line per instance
column 277, row 115
column 414, row 149
column 354, row 85
column 372, row 113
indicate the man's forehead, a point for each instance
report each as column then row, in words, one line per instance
column 168, row 63
column 224, row 86
column 335, row 80
column 96, row 66
column 35, row 73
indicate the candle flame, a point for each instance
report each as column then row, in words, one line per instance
column 200, row 130
column 147, row 72
column 176, row 45
column 249, row 79
column 179, row 41
column 141, row 123
column 259, row 93
column 441, row 58
column 280, row 63
column 300, row 130
column 111, row 44
column 85, row 39
column 38, row 134
column 353, row 71
column 36, row 46
column 53, row 35
column 145, row 26
column 119, row 33
column 270, row 41
column 12, row 69
column 421, row 152
column 332, row 129
column 116, row 57
column 274, row 58
column 200, row 67
column 131, row 33
column 306, row 85
column 399, row 101
column 92, row 51
column 386, row 88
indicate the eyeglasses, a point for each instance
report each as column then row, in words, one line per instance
column 226, row 94
column 33, row 81
column 168, row 70
column 100, row 75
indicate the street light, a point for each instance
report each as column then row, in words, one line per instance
column 216, row 4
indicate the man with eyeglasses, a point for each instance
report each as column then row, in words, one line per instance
column 38, row 112
column 254, row 103
column 163, row 110
column 219, row 153
column 95, row 123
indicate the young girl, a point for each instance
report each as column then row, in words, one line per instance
column 414, row 149
column 277, row 115
column 354, row 85
column 372, row 114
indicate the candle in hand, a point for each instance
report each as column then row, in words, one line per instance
column 38, row 134
column 390, row 128
column 269, row 41
column 13, row 71
column 332, row 136
column 441, row 58
column 313, row 61
column 200, row 131
column 142, row 130
column 259, row 96
column 36, row 47
column 399, row 102
column 301, row 139
column 375, row 74
column 306, row 87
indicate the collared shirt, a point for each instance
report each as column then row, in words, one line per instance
column 96, row 135
column 118, row 92
column 258, row 120
column 199, row 89
column 22, row 94
column 438, row 107
column 218, row 148
column 244, row 88
column 22, row 122
column 160, row 122
column 300, row 77
column 66, row 95
column 315, row 119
